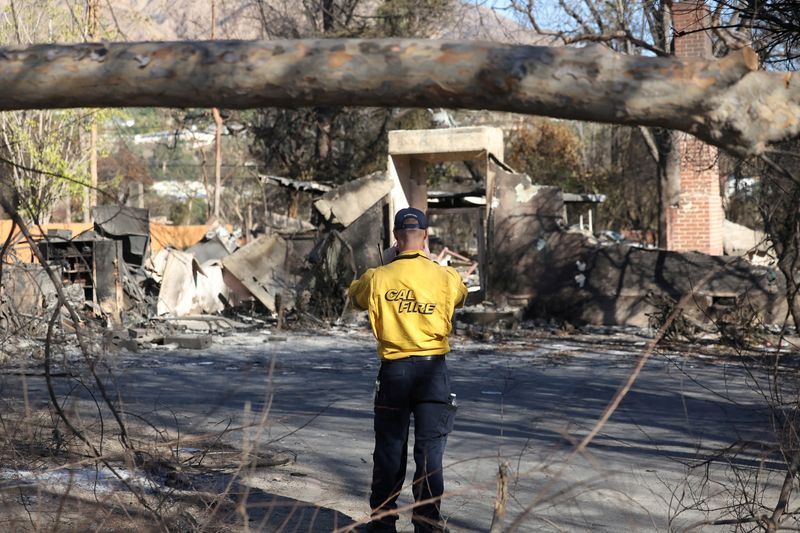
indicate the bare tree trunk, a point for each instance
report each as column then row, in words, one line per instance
column 206, row 185
column 324, row 115
column 327, row 16
column 248, row 222
column 87, row 201
column 668, row 172
column 787, row 263
column 217, row 131
column 217, row 162
column 92, row 171
column 294, row 204
column 324, row 122
column 87, row 213
column 702, row 97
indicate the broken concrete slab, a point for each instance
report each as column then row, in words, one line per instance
column 138, row 333
column 189, row 342
column 343, row 205
column 261, row 267
column 204, row 323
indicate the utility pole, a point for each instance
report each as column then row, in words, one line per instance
column 90, row 199
column 217, row 131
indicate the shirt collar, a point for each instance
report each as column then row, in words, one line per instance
column 413, row 252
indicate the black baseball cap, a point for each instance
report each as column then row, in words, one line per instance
column 410, row 212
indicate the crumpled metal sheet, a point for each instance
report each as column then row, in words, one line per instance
column 121, row 220
column 216, row 244
column 345, row 204
column 178, row 286
column 210, row 285
column 130, row 225
column 188, row 288
column 261, row 266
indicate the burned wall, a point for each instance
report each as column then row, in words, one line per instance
column 367, row 236
column 26, row 291
column 534, row 262
column 590, row 282
column 522, row 217
column 359, row 211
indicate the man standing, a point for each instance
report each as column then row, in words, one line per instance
column 410, row 301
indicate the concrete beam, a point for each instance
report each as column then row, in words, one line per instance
column 450, row 144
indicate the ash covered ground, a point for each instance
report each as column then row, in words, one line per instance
column 287, row 417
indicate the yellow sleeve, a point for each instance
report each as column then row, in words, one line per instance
column 459, row 290
column 359, row 291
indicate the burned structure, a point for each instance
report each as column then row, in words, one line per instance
column 550, row 271
column 293, row 265
column 520, row 258
column 105, row 261
column 531, row 262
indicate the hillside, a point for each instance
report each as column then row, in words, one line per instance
column 135, row 20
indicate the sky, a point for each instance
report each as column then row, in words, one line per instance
column 548, row 13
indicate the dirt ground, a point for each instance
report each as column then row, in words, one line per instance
column 283, row 422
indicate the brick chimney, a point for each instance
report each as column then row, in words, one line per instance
column 696, row 223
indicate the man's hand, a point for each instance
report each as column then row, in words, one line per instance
column 389, row 254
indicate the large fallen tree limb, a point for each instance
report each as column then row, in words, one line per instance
column 726, row 102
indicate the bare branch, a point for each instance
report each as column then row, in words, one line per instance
column 650, row 142
column 702, row 97
column 780, row 169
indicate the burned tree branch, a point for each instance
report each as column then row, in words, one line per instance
column 726, row 102
column 83, row 343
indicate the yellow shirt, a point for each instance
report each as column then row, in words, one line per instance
column 410, row 302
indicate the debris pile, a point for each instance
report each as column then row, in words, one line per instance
column 509, row 240
column 554, row 272
column 293, row 269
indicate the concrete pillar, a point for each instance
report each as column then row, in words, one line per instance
column 399, row 170
column 410, row 151
column 696, row 223
column 417, row 185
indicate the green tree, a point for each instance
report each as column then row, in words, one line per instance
column 548, row 151
column 44, row 152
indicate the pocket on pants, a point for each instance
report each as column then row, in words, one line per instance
column 448, row 419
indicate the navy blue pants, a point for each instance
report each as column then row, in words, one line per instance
column 420, row 387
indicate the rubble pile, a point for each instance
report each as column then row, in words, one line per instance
column 509, row 239
column 293, row 269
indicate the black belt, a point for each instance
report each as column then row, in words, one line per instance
column 415, row 358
